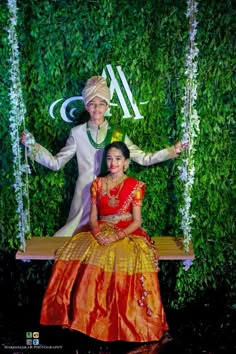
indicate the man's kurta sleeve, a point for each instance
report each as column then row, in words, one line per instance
column 148, row 158
column 45, row 158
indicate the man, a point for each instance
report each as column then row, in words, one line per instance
column 87, row 141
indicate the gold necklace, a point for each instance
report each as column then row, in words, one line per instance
column 113, row 199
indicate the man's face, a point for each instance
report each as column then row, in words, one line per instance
column 97, row 108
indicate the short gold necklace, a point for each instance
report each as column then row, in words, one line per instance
column 113, row 199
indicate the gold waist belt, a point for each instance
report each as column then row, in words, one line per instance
column 116, row 217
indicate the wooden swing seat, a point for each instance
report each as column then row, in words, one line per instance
column 43, row 248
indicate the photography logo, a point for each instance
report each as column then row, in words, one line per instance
column 32, row 338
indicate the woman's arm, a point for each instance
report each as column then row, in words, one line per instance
column 93, row 218
column 96, row 231
column 136, row 223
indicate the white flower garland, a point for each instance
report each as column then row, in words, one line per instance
column 16, row 118
column 190, row 123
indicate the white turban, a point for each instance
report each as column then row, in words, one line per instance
column 96, row 86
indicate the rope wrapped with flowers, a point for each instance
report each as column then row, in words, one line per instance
column 16, row 119
column 190, row 125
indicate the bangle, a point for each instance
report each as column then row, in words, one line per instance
column 95, row 231
column 117, row 235
column 124, row 233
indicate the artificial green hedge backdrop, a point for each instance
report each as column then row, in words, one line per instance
column 62, row 43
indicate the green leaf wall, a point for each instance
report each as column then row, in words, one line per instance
column 63, row 43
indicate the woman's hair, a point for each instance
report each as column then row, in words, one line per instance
column 120, row 146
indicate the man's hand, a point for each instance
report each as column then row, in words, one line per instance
column 179, row 147
column 27, row 139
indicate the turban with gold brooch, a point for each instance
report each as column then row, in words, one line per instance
column 96, row 86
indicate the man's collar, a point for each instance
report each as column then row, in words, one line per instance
column 92, row 125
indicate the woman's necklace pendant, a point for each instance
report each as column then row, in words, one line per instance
column 113, row 202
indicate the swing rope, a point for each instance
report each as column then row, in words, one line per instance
column 16, row 120
column 190, row 124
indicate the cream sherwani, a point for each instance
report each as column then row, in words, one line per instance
column 89, row 160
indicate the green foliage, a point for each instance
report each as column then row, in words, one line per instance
column 62, row 44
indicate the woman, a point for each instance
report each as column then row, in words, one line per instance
column 104, row 282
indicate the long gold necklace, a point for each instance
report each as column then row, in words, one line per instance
column 113, row 199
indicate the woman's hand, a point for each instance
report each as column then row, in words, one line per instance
column 104, row 239
column 105, row 235
column 121, row 233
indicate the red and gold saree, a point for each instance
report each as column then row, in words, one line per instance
column 108, row 292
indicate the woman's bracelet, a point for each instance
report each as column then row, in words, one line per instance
column 95, row 231
column 123, row 231
column 98, row 233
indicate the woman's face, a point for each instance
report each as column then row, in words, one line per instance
column 116, row 162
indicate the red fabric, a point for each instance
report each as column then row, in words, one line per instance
column 131, row 194
column 107, row 292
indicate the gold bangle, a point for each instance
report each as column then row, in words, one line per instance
column 117, row 235
column 98, row 233
column 123, row 231
column 95, row 230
